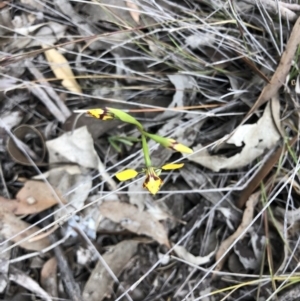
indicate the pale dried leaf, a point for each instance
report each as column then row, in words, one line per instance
column 134, row 10
column 256, row 138
column 136, row 221
column 14, row 229
column 187, row 256
column 100, row 283
column 77, row 147
column 227, row 243
column 61, row 68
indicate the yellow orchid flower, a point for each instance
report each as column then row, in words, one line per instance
column 179, row 147
column 102, row 114
column 169, row 143
column 111, row 113
column 152, row 182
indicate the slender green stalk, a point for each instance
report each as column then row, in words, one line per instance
column 146, row 152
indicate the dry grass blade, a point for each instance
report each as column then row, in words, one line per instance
column 227, row 243
column 280, row 75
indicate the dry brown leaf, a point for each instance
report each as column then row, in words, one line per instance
column 14, row 229
column 279, row 77
column 62, row 70
column 100, row 282
column 49, row 277
column 227, row 243
column 134, row 12
column 34, row 197
column 134, row 220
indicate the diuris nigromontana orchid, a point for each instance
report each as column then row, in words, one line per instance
column 152, row 181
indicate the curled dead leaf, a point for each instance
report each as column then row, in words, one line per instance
column 22, row 134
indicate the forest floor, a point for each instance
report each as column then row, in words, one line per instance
column 221, row 78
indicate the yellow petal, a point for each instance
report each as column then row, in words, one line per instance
column 100, row 114
column 126, row 174
column 172, row 166
column 153, row 184
column 182, row 148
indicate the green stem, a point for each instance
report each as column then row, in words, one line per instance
column 146, row 151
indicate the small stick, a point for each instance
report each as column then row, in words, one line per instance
column 72, row 288
column 160, row 109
